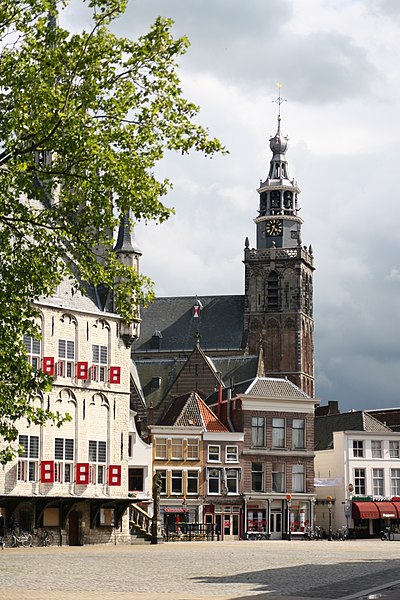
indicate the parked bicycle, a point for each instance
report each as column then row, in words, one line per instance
column 43, row 538
column 313, row 533
column 20, row 538
column 342, row 533
column 386, row 534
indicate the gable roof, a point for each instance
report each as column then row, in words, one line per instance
column 262, row 387
column 189, row 410
column 351, row 421
column 171, row 320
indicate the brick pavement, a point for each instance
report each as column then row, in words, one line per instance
column 273, row 570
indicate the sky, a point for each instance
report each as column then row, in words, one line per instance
column 339, row 65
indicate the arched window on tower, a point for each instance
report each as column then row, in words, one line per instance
column 273, row 290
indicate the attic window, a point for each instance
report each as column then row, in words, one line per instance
column 155, row 383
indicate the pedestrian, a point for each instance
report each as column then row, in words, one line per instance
column 2, row 532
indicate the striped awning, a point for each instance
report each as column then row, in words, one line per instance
column 365, row 510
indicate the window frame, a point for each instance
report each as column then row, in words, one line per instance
column 138, row 477
column 257, row 431
column 192, row 475
column 28, row 461
column 278, row 475
column 358, row 448
column 360, row 481
column 97, row 456
column 394, row 444
column 176, row 476
column 277, row 441
column 378, row 481
column 176, row 443
column 193, row 449
column 300, row 435
column 160, row 442
column 375, row 444
column 232, row 457
column 298, row 478
column 218, row 452
column 257, row 473
column 66, row 358
column 214, row 475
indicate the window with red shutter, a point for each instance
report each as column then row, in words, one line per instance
column 82, row 370
column 82, row 473
column 114, row 475
column 115, row 375
column 48, row 365
column 47, row 471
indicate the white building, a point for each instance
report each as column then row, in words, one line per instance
column 74, row 480
column 357, row 464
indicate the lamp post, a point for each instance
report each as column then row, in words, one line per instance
column 289, row 504
column 329, row 499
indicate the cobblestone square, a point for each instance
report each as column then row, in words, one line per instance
column 199, row 570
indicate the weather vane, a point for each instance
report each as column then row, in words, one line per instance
column 279, row 100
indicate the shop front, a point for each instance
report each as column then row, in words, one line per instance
column 225, row 517
column 372, row 516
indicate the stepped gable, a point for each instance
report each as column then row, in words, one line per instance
column 169, row 324
column 189, row 410
column 358, row 420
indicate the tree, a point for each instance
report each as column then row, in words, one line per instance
column 84, row 119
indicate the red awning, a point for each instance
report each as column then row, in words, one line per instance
column 397, row 506
column 387, row 510
column 365, row 510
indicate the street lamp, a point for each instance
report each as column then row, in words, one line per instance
column 289, row 504
column 329, row 499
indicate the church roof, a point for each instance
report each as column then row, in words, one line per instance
column 190, row 410
column 351, row 421
column 172, row 321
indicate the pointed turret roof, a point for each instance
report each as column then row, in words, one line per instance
column 126, row 237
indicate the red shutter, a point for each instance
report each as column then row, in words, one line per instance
column 114, row 475
column 115, row 375
column 47, row 471
column 48, row 365
column 82, row 473
column 82, row 370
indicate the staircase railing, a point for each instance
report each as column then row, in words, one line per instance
column 140, row 520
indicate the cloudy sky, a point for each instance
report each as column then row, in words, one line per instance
column 339, row 63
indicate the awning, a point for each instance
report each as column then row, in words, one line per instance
column 387, row 510
column 397, row 506
column 365, row 510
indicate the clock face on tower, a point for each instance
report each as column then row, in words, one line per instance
column 274, row 228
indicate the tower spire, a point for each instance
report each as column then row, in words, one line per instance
column 279, row 100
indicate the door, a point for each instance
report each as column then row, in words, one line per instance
column 73, row 528
column 275, row 525
column 231, row 526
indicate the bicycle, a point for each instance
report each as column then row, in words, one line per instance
column 386, row 534
column 22, row 539
column 43, row 538
column 342, row 534
column 313, row 533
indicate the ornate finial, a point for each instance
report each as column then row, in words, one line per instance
column 279, row 101
column 246, row 243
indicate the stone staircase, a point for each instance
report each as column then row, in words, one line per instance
column 139, row 525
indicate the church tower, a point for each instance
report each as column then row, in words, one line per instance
column 278, row 311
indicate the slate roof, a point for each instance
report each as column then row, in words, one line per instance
column 189, row 410
column 220, row 324
column 262, row 387
column 351, row 421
